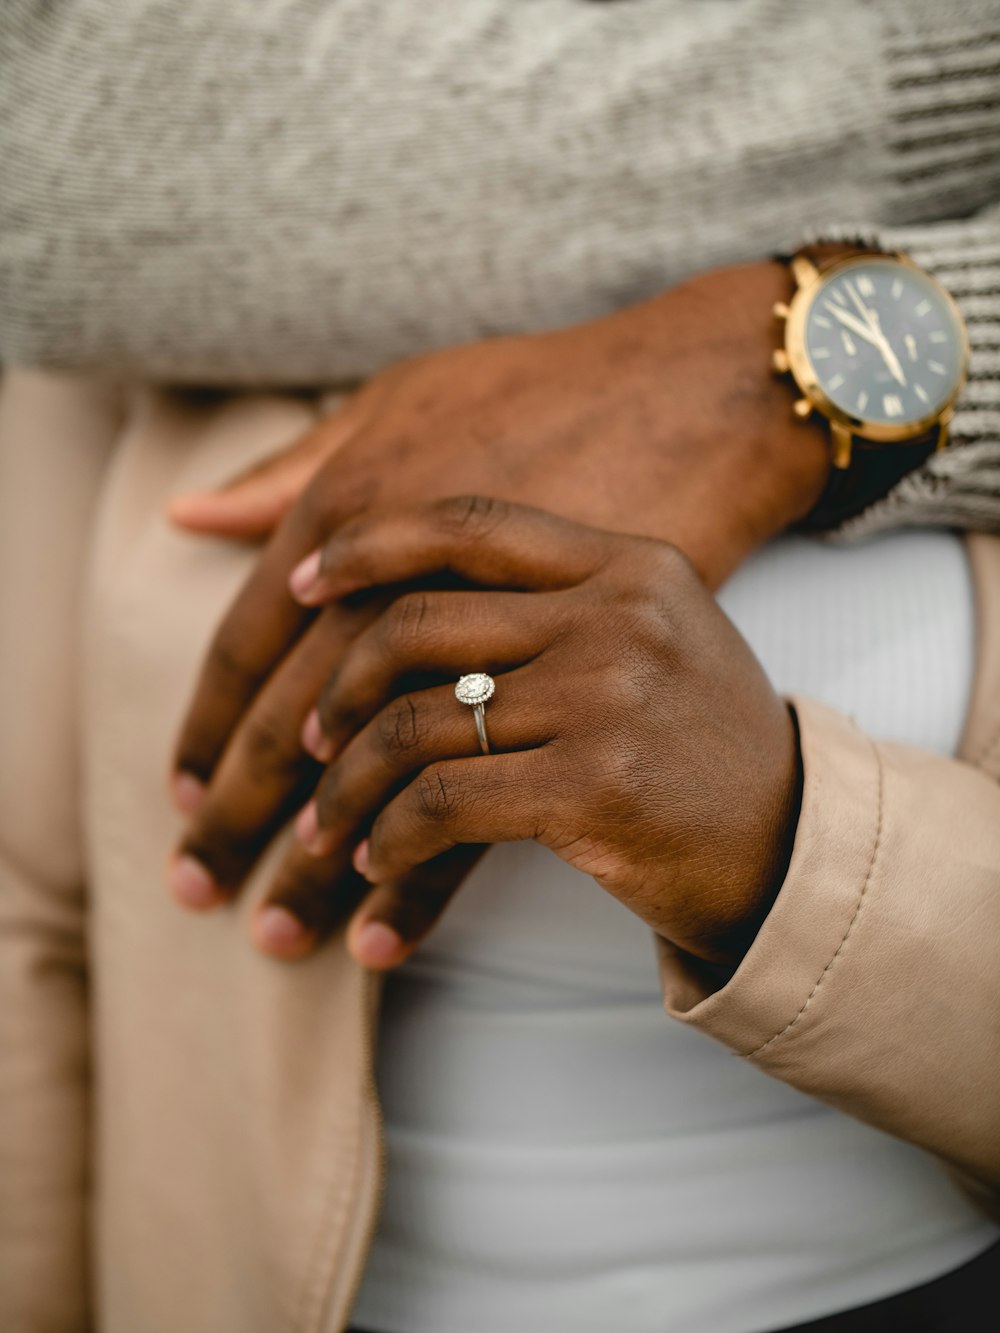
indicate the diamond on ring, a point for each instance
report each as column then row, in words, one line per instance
column 475, row 689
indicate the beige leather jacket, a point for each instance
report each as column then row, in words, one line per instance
column 189, row 1132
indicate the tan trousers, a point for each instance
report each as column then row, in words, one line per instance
column 105, row 612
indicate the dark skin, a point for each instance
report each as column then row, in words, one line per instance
column 635, row 733
column 660, row 420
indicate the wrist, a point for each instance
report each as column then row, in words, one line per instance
column 757, row 871
column 759, row 468
column 787, row 460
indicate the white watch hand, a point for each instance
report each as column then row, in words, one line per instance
column 871, row 333
column 861, row 329
column 885, row 346
column 869, row 316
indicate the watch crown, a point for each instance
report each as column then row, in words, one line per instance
column 802, row 408
column 780, row 310
column 779, row 361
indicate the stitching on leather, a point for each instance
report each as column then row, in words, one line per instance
column 851, row 924
column 319, row 1274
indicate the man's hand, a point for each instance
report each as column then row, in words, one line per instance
column 660, row 420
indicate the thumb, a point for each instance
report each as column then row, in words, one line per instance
column 254, row 503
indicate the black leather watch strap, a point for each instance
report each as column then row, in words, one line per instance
column 875, row 467
column 872, row 474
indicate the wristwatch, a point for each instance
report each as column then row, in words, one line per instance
column 878, row 351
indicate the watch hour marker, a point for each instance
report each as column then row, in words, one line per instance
column 865, row 285
column 911, row 346
column 937, row 367
column 836, row 382
column 822, row 321
column 897, row 289
column 838, row 296
column 923, row 308
column 820, row 353
column 921, row 393
column 862, row 401
column 849, row 347
column 892, row 406
column 938, row 336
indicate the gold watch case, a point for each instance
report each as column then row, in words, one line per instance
column 793, row 359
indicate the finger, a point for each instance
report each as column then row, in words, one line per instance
column 408, row 734
column 491, row 798
column 264, row 621
column 258, row 629
column 490, row 542
column 308, row 900
column 264, row 773
column 252, row 504
column 428, row 632
column 394, row 918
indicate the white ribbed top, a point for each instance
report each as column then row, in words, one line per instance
column 562, row 1157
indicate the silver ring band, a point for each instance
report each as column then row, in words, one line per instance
column 479, row 713
column 476, row 690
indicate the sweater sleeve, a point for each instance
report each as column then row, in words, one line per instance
column 941, row 94
column 872, row 983
column 301, row 193
column 960, row 486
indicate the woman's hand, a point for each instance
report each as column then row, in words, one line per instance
column 632, row 730
column 660, row 420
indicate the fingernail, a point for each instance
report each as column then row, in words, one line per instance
column 307, row 824
column 192, row 885
column 378, row 945
column 276, row 930
column 360, row 858
column 314, row 739
column 188, row 792
column 304, row 575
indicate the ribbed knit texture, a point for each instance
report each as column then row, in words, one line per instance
column 300, row 191
column 943, row 67
column 960, row 486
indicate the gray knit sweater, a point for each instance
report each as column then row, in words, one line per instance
column 296, row 192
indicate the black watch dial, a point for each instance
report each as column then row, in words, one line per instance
column 885, row 342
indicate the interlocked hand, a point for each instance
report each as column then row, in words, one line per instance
column 633, row 731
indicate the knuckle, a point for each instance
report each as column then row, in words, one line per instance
column 342, row 704
column 642, row 562
column 436, row 794
column 328, row 704
column 313, row 511
column 397, row 729
column 473, row 515
column 330, row 799
column 404, row 624
column 267, row 747
column 674, row 564
column 228, row 660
